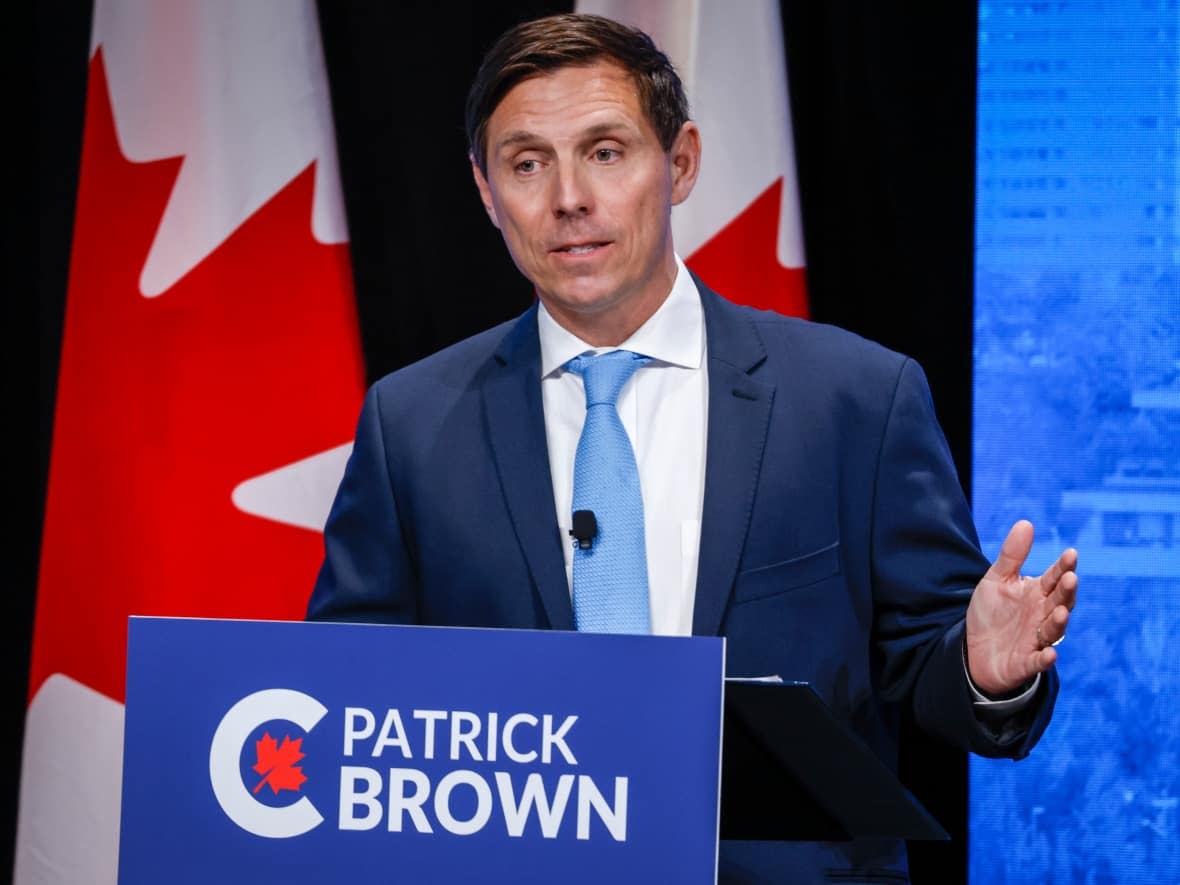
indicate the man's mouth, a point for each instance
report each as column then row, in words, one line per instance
column 579, row 248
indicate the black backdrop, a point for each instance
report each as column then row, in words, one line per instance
column 884, row 105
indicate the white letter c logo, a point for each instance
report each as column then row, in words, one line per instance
column 225, row 755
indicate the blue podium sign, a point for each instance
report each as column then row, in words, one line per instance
column 259, row 751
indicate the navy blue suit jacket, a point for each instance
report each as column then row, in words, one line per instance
column 836, row 543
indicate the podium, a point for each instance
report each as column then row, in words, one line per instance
column 827, row 785
column 296, row 752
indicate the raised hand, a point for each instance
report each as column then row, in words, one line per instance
column 1014, row 621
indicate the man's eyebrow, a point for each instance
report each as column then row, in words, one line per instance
column 516, row 138
column 603, row 130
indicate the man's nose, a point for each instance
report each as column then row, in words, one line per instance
column 572, row 192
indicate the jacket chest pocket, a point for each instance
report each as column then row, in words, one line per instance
column 787, row 575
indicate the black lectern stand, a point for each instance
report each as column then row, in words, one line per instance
column 791, row 771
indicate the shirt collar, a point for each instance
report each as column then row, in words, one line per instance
column 673, row 335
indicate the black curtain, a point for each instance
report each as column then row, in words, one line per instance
column 49, row 48
column 883, row 99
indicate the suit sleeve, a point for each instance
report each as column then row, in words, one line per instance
column 926, row 562
column 368, row 574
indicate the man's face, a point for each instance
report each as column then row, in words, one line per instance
column 582, row 191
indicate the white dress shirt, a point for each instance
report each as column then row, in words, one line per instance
column 664, row 409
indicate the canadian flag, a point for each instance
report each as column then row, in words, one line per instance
column 210, row 378
column 741, row 228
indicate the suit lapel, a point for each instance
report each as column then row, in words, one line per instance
column 739, row 415
column 516, row 430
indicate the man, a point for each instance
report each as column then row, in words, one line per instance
column 784, row 483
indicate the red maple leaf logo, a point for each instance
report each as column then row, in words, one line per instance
column 277, row 763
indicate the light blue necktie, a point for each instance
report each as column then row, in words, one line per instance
column 610, row 578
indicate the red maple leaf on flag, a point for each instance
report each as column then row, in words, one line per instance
column 741, row 260
column 277, row 763
column 250, row 362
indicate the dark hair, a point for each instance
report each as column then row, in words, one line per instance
column 559, row 41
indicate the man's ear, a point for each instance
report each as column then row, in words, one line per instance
column 485, row 192
column 685, row 160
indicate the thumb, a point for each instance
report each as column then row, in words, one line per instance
column 1014, row 551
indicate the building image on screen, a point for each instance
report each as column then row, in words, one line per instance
column 1077, row 421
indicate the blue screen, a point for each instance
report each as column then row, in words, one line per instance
column 1077, row 421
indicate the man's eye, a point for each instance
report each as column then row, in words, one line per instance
column 605, row 155
column 526, row 166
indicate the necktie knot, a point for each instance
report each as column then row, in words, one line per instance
column 604, row 376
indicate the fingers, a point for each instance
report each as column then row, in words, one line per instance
column 1040, row 661
column 1066, row 563
column 1059, row 584
column 1066, row 591
column 1052, row 629
column 1014, row 551
column 1045, row 659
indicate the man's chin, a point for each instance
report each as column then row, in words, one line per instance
column 582, row 302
